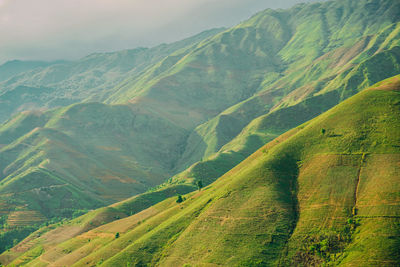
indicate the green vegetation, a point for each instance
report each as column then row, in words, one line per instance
column 12, row 237
column 179, row 199
column 186, row 114
column 350, row 63
column 199, row 185
column 302, row 199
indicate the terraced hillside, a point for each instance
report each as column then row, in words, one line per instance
column 24, row 218
column 188, row 111
column 326, row 192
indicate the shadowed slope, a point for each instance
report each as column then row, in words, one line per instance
column 83, row 157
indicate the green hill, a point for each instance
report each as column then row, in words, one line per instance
column 183, row 112
column 86, row 151
column 326, row 192
column 277, row 58
column 229, row 138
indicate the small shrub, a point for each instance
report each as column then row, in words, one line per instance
column 179, row 199
column 117, row 235
column 199, row 185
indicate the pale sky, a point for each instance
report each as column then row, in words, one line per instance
column 70, row 29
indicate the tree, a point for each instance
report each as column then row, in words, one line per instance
column 117, row 235
column 323, row 131
column 200, row 185
column 180, row 199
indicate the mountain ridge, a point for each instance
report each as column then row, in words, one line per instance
column 87, row 79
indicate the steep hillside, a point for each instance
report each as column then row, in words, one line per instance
column 189, row 111
column 88, row 79
column 227, row 139
column 277, row 58
column 83, row 155
column 326, row 192
column 258, row 132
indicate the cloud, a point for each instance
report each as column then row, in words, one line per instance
column 68, row 29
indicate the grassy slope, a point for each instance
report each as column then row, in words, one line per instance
column 65, row 230
column 311, row 63
column 238, row 206
column 258, row 132
column 78, row 161
column 290, row 112
column 62, row 162
column 310, row 197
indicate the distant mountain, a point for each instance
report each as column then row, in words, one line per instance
column 181, row 113
column 88, row 79
column 324, row 193
column 15, row 67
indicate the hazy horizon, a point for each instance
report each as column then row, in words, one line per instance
column 68, row 30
